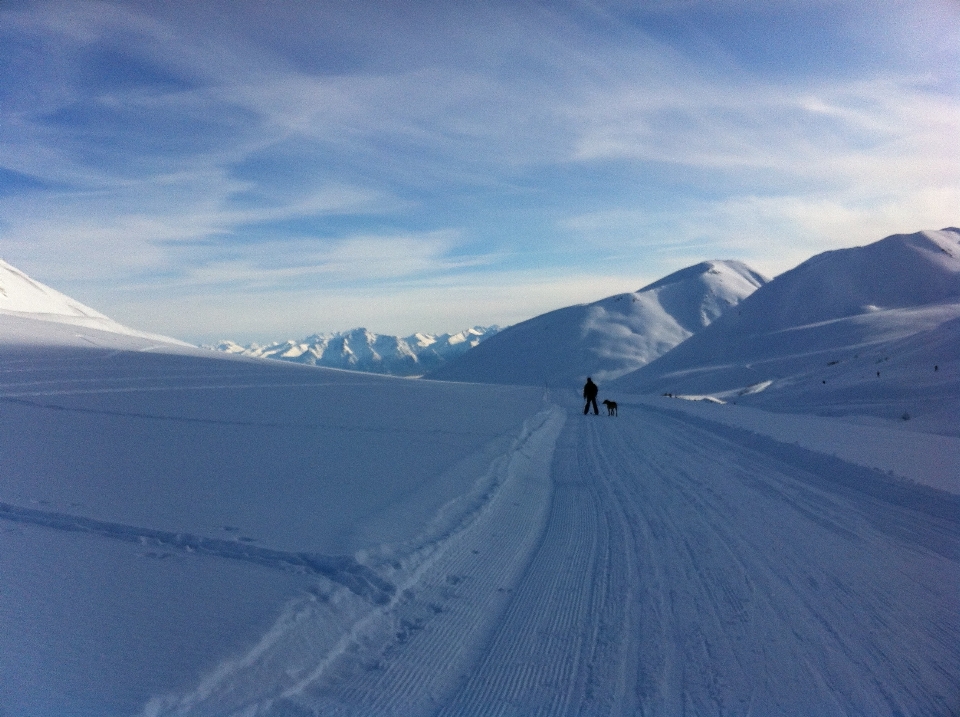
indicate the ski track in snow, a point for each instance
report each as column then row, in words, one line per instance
column 682, row 574
column 340, row 569
column 335, row 654
column 663, row 568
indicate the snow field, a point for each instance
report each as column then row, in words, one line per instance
column 923, row 458
column 162, row 509
column 183, row 533
column 405, row 656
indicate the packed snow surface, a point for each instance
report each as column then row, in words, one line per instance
column 610, row 337
column 188, row 533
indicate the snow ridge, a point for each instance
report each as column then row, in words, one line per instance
column 25, row 297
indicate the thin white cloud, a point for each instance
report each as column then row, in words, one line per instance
column 848, row 131
column 521, row 103
column 352, row 263
column 386, row 307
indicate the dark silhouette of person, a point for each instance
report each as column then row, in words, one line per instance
column 590, row 391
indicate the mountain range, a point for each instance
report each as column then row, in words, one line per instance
column 363, row 350
column 871, row 330
column 608, row 338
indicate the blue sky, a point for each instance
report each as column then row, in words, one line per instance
column 265, row 170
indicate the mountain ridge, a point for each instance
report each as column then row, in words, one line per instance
column 359, row 349
column 610, row 337
column 871, row 331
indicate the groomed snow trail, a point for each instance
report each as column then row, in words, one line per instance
column 686, row 572
column 661, row 566
column 338, row 652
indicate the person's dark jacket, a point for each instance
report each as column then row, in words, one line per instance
column 590, row 390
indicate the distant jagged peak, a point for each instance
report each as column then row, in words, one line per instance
column 423, row 340
column 472, row 335
column 364, row 350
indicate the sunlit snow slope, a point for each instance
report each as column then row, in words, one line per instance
column 21, row 295
column 870, row 331
column 610, row 337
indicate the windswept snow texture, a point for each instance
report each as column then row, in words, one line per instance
column 363, row 350
column 610, row 337
column 871, row 331
column 22, row 296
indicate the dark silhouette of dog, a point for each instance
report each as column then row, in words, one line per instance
column 611, row 407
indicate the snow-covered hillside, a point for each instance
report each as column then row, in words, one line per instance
column 186, row 533
column 872, row 331
column 363, row 350
column 22, row 296
column 189, row 533
column 610, row 337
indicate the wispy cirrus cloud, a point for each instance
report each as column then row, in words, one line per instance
column 232, row 147
column 293, row 265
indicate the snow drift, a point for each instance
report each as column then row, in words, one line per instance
column 610, row 337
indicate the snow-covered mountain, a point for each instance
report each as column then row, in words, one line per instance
column 21, row 296
column 363, row 350
column 871, row 330
column 186, row 533
column 610, row 337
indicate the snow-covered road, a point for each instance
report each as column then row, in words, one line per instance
column 683, row 571
column 675, row 567
column 696, row 573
